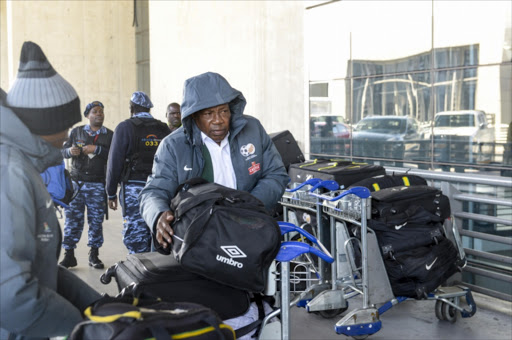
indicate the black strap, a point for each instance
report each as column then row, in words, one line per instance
column 247, row 329
column 160, row 333
column 213, row 321
column 240, row 332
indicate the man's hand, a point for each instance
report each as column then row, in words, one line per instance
column 163, row 229
column 74, row 150
column 112, row 203
column 88, row 149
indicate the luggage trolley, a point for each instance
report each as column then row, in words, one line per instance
column 289, row 251
column 353, row 206
column 319, row 294
column 365, row 321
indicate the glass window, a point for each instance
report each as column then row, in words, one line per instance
column 429, row 73
column 319, row 90
column 399, row 95
column 330, row 121
column 389, row 36
column 328, row 41
column 482, row 27
column 471, row 119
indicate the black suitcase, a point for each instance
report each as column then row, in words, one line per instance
column 414, row 228
column 345, row 173
column 287, row 147
column 162, row 276
column 417, row 272
column 396, row 200
column 388, row 181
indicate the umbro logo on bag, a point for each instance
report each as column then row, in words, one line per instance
column 233, row 252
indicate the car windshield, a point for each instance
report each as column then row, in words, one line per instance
column 464, row 120
column 381, row 125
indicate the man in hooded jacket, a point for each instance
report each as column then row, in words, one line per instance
column 217, row 142
column 38, row 298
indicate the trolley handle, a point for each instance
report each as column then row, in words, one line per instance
column 312, row 182
column 360, row 192
column 329, row 184
column 287, row 227
column 291, row 249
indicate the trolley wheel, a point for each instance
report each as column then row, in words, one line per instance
column 360, row 337
column 331, row 313
column 449, row 313
column 439, row 310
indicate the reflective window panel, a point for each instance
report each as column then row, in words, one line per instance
column 473, row 113
column 390, row 36
column 329, row 121
column 470, row 33
column 328, row 39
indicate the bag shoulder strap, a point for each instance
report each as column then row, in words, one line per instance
column 240, row 332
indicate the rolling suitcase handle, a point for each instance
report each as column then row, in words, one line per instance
column 106, row 277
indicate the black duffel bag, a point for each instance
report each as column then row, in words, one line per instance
column 224, row 234
column 417, row 272
column 126, row 318
column 413, row 228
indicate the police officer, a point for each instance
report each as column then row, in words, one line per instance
column 88, row 148
column 129, row 164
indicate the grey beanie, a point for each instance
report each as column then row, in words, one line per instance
column 40, row 97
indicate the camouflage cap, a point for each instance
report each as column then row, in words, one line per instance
column 141, row 99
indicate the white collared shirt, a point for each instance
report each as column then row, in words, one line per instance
column 223, row 172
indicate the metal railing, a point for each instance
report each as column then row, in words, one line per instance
column 487, row 234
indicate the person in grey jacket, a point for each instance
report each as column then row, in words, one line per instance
column 38, row 298
column 217, row 142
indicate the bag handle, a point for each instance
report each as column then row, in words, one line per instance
column 134, row 314
column 191, row 202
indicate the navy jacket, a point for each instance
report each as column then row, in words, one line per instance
column 122, row 147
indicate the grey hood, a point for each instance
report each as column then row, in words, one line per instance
column 215, row 90
column 15, row 134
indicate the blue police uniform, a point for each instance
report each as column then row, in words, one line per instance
column 136, row 234
column 89, row 173
column 129, row 164
column 91, row 195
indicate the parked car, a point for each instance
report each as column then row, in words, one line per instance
column 463, row 137
column 385, row 136
column 330, row 135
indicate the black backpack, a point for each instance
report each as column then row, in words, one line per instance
column 223, row 234
column 127, row 318
column 148, row 134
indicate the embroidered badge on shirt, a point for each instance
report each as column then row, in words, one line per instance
column 255, row 167
column 248, row 151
